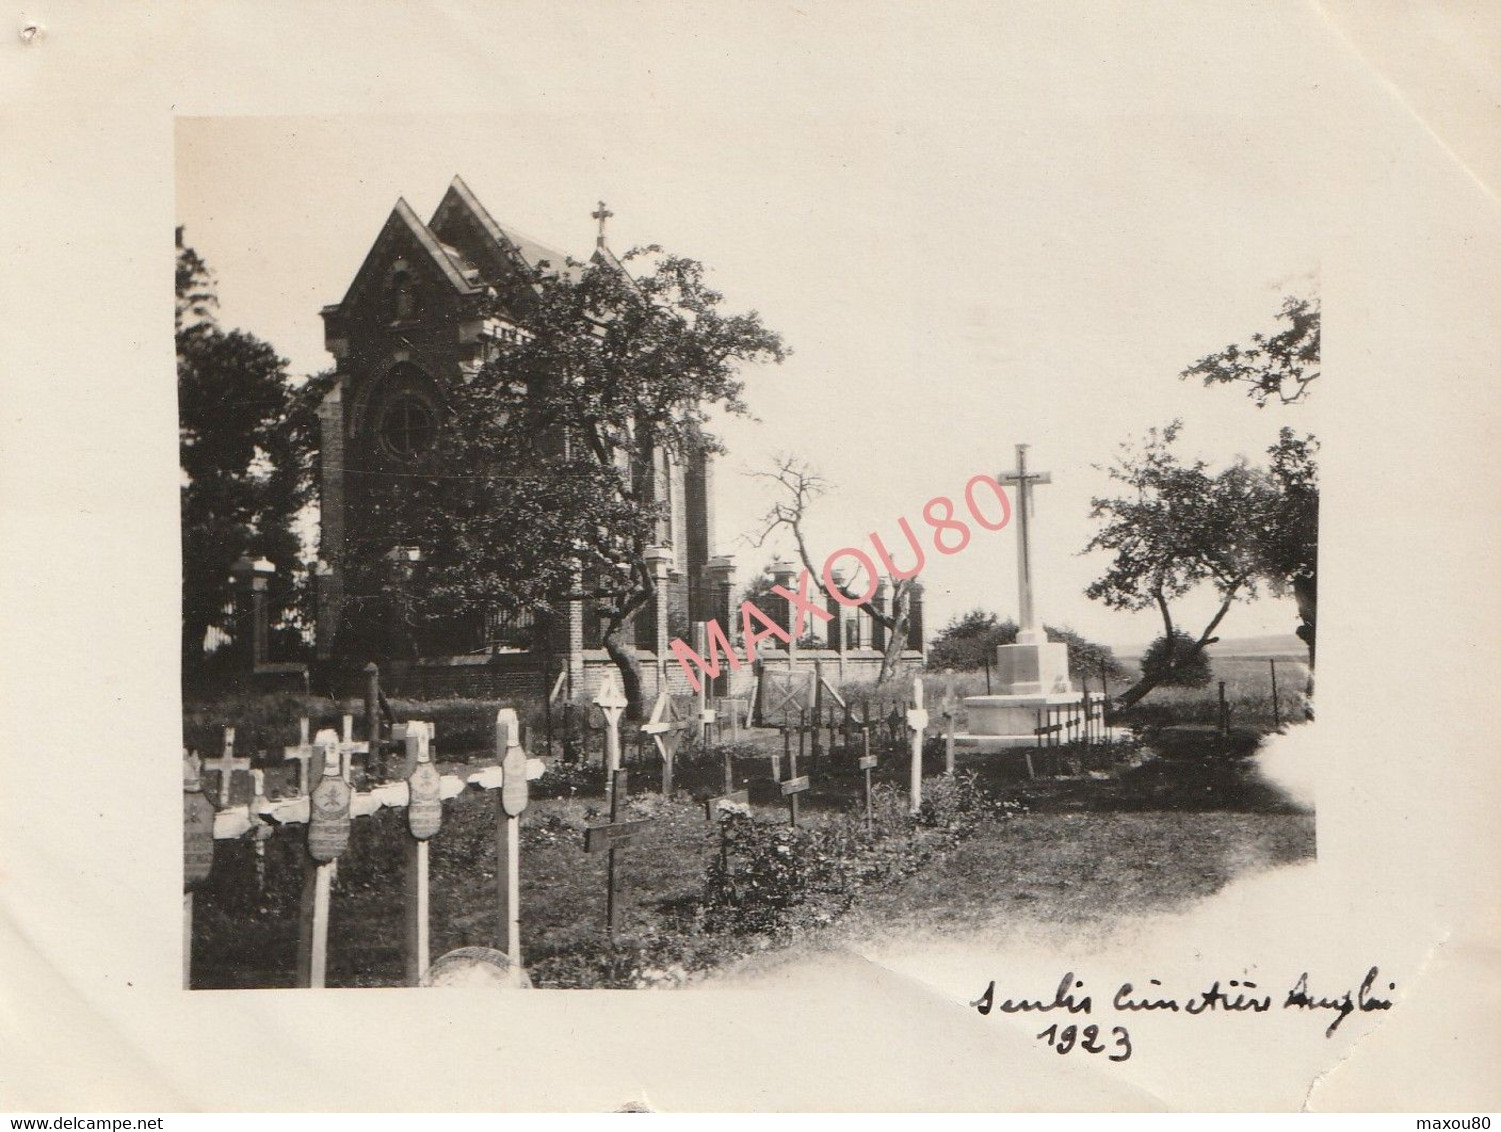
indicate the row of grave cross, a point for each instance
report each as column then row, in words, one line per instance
column 327, row 803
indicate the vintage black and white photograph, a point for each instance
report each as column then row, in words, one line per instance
column 742, row 557
column 681, row 592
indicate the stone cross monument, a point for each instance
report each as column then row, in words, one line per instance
column 1033, row 665
column 1033, row 672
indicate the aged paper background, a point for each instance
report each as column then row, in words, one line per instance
column 1393, row 109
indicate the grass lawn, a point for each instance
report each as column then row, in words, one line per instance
column 1083, row 868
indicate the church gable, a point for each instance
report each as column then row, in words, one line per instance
column 406, row 244
column 504, row 257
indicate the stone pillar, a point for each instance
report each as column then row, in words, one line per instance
column 659, row 562
column 719, row 582
column 914, row 619
column 330, row 577
column 785, row 575
column 834, row 630
column 252, row 618
column 698, row 492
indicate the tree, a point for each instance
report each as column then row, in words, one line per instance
column 1284, row 366
column 244, row 448
column 798, row 484
column 543, row 494
column 1179, row 665
column 1280, row 366
column 1290, row 547
column 1177, row 527
column 970, row 639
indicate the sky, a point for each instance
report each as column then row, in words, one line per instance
column 959, row 266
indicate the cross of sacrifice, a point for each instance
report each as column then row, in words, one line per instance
column 226, row 764
column 1024, row 482
column 666, row 728
column 610, row 837
column 601, row 214
column 612, row 702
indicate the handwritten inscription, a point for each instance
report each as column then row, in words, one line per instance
column 1221, row 996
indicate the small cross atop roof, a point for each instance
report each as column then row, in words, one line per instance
column 601, row 214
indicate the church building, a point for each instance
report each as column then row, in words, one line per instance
column 420, row 315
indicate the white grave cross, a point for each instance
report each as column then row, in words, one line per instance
column 612, row 702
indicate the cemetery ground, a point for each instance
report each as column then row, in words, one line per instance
column 1095, row 837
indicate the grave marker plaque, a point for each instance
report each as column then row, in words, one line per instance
column 424, row 785
column 328, row 816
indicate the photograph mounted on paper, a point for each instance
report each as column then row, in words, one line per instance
column 582, row 613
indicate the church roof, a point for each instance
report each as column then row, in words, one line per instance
column 433, row 247
column 466, row 276
column 513, row 241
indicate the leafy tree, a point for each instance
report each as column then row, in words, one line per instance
column 1290, row 546
column 244, row 448
column 1180, row 665
column 970, row 639
column 1284, row 365
column 542, row 494
column 798, row 484
column 1176, row 527
column 1279, row 366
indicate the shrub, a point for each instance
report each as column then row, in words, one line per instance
column 1188, row 667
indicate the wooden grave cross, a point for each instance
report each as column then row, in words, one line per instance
column 226, row 764
column 949, row 710
column 666, row 728
column 303, row 753
column 731, row 799
column 263, row 828
column 705, row 715
column 612, row 703
column 348, row 748
column 794, row 784
column 611, row 837
column 515, row 794
column 917, row 721
column 197, row 851
column 327, row 838
column 424, row 819
column 867, row 764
